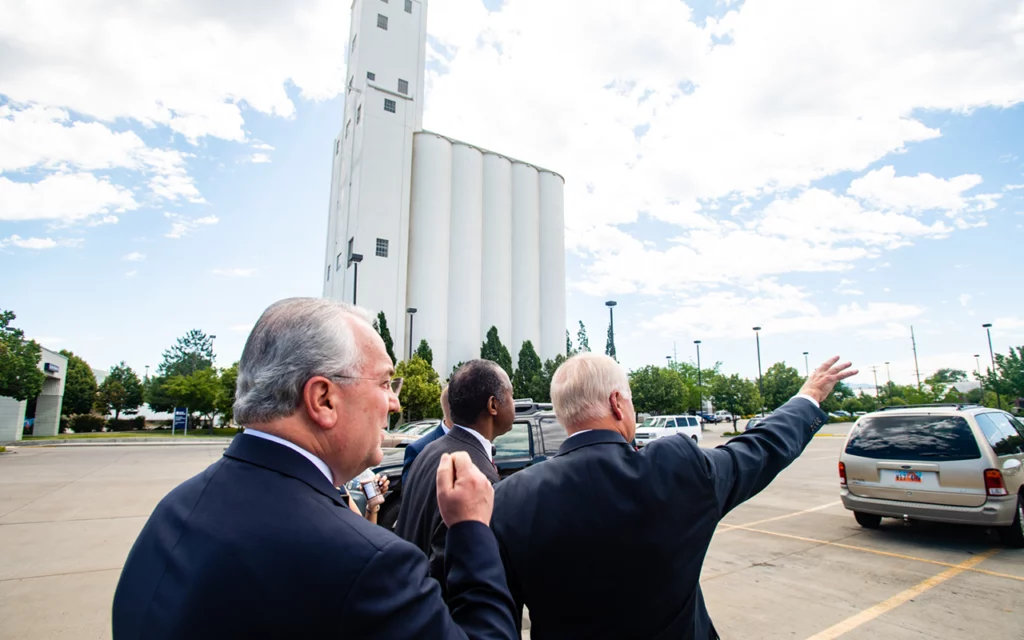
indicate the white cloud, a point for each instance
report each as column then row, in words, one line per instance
column 183, row 225
column 134, row 256
column 63, row 196
column 262, row 145
column 883, row 189
column 131, row 274
column 1013, row 187
column 234, row 273
column 259, row 158
column 964, row 299
column 850, row 292
column 38, row 243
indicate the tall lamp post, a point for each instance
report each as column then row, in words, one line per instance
column 412, row 313
column 760, row 387
column 992, row 354
column 977, row 372
column 700, row 383
column 355, row 259
column 213, row 358
column 888, row 385
column 807, row 364
column 611, row 323
column 668, row 362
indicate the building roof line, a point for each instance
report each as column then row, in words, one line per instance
column 493, row 153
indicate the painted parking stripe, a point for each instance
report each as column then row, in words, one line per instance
column 727, row 527
column 878, row 552
column 903, row 597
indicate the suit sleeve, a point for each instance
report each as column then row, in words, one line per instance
column 436, row 552
column 394, row 597
column 745, row 465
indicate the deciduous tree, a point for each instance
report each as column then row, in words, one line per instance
column 20, row 376
column 121, row 392
column 79, row 386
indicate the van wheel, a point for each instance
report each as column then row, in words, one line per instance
column 1013, row 535
column 867, row 520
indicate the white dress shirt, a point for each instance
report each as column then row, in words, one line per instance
column 320, row 464
column 484, row 442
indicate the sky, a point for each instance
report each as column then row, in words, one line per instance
column 834, row 172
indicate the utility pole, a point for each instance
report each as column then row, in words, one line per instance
column 917, row 369
column 992, row 354
column 874, row 370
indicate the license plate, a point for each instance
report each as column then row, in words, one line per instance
column 908, row 476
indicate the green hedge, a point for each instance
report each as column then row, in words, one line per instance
column 137, row 423
column 86, row 423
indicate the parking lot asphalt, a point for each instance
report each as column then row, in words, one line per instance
column 791, row 563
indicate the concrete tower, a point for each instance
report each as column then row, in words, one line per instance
column 469, row 237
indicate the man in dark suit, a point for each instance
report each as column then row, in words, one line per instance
column 482, row 408
column 442, row 428
column 561, row 525
column 267, row 525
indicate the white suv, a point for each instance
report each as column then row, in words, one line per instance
column 660, row 426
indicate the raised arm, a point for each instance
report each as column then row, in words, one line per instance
column 745, row 465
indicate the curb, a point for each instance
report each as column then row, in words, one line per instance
column 101, row 442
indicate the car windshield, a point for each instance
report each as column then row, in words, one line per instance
column 913, row 438
column 654, row 423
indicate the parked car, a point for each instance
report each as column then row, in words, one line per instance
column 661, row 426
column 708, row 417
column 723, row 416
column 945, row 463
column 860, row 413
column 753, row 422
column 406, row 434
column 535, row 436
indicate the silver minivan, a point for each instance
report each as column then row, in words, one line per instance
column 945, row 463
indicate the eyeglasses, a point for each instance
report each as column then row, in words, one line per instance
column 395, row 383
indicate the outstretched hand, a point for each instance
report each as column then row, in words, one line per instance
column 825, row 378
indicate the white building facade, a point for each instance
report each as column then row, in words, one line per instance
column 469, row 238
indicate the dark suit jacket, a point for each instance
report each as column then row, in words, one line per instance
column 419, row 520
column 260, row 545
column 415, row 448
column 602, row 523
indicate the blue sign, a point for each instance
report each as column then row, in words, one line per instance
column 180, row 419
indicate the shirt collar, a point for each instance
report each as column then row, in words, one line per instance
column 578, row 433
column 484, row 442
column 445, row 428
column 320, row 464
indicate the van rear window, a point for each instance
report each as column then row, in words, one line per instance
column 914, row 438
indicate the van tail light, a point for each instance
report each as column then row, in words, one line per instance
column 842, row 474
column 994, row 485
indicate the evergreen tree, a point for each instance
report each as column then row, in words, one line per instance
column 193, row 352
column 581, row 338
column 609, row 345
column 381, row 325
column 528, row 377
column 79, row 386
column 492, row 349
column 568, row 345
column 424, row 352
column 543, row 392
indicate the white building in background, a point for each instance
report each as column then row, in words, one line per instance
column 468, row 237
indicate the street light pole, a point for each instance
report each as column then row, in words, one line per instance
column 888, row 386
column 668, row 362
column 412, row 314
column 611, row 325
column 760, row 386
column 807, row 364
column 700, row 383
column 977, row 372
column 992, row 354
column 355, row 259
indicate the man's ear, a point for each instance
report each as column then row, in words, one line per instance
column 492, row 406
column 615, row 403
column 320, row 402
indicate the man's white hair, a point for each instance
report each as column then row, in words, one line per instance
column 582, row 385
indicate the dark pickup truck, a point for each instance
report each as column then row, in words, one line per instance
column 535, row 436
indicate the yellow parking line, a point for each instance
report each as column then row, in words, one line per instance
column 727, row 527
column 871, row 613
column 878, row 552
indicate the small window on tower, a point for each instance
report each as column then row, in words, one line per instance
column 408, row 6
column 354, row 41
column 337, row 146
column 359, row 113
column 348, row 125
column 403, row 87
column 382, row 21
column 389, row 105
column 328, row 272
column 351, row 241
column 382, row 248
column 371, row 75
column 337, row 263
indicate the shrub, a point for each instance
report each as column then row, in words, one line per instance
column 86, row 423
column 134, row 424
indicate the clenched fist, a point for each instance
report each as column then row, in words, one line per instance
column 825, row 378
column 463, row 493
